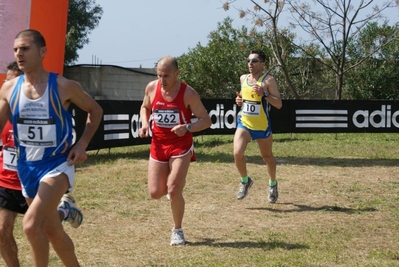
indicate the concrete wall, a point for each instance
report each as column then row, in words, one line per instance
column 107, row 82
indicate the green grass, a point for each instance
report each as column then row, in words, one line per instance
column 338, row 206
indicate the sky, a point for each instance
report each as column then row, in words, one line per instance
column 134, row 33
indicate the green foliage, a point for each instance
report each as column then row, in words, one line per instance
column 214, row 70
column 83, row 17
column 378, row 76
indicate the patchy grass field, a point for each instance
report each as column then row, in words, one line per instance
column 338, row 206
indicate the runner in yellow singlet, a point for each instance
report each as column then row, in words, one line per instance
column 258, row 91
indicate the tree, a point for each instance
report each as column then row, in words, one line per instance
column 378, row 76
column 83, row 17
column 329, row 31
column 333, row 29
column 214, row 70
column 279, row 40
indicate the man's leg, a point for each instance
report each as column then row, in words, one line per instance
column 265, row 148
column 42, row 224
column 169, row 178
column 8, row 246
column 176, row 182
column 157, row 177
column 60, row 241
column 241, row 140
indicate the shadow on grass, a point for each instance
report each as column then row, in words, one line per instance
column 228, row 158
column 306, row 161
column 304, row 208
column 211, row 143
column 338, row 162
column 111, row 156
column 248, row 244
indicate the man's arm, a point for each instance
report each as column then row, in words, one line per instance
column 239, row 94
column 5, row 110
column 193, row 101
column 145, row 110
column 274, row 98
column 73, row 93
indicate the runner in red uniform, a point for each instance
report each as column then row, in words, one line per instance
column 166, row 115
column 171, row 103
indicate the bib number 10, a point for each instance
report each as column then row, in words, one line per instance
column 251, row 108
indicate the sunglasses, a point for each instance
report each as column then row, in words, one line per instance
column 253, row 60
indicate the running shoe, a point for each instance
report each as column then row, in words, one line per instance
column 75, row 216
column 243, row 189
column 177, row 238
column 273, row 193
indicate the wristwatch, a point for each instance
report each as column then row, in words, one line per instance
column 188, row 127
column 266, row 94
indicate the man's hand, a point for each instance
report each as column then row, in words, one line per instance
column 76, row 155
column 256, row 88
column 143, row 132
column 238, row 99
column 179, row 130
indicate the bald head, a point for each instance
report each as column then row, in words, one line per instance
column 168, row 62
column 168, row 73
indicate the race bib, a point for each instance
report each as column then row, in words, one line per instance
column 37, row 132
column 167, row 118
column 251, row 108
column 9, row 158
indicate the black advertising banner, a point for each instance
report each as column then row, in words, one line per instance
column 121, row 119
column 119, row 126
column 341, row 116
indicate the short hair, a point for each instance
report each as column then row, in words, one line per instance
column 13, row 66
column 170, row 60
column 38, row 38
column 174, row 63
column 260, row 53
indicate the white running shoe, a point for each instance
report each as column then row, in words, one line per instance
column 273, row 193
column 75, row 216
column 177, row 238
column 243, row 188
